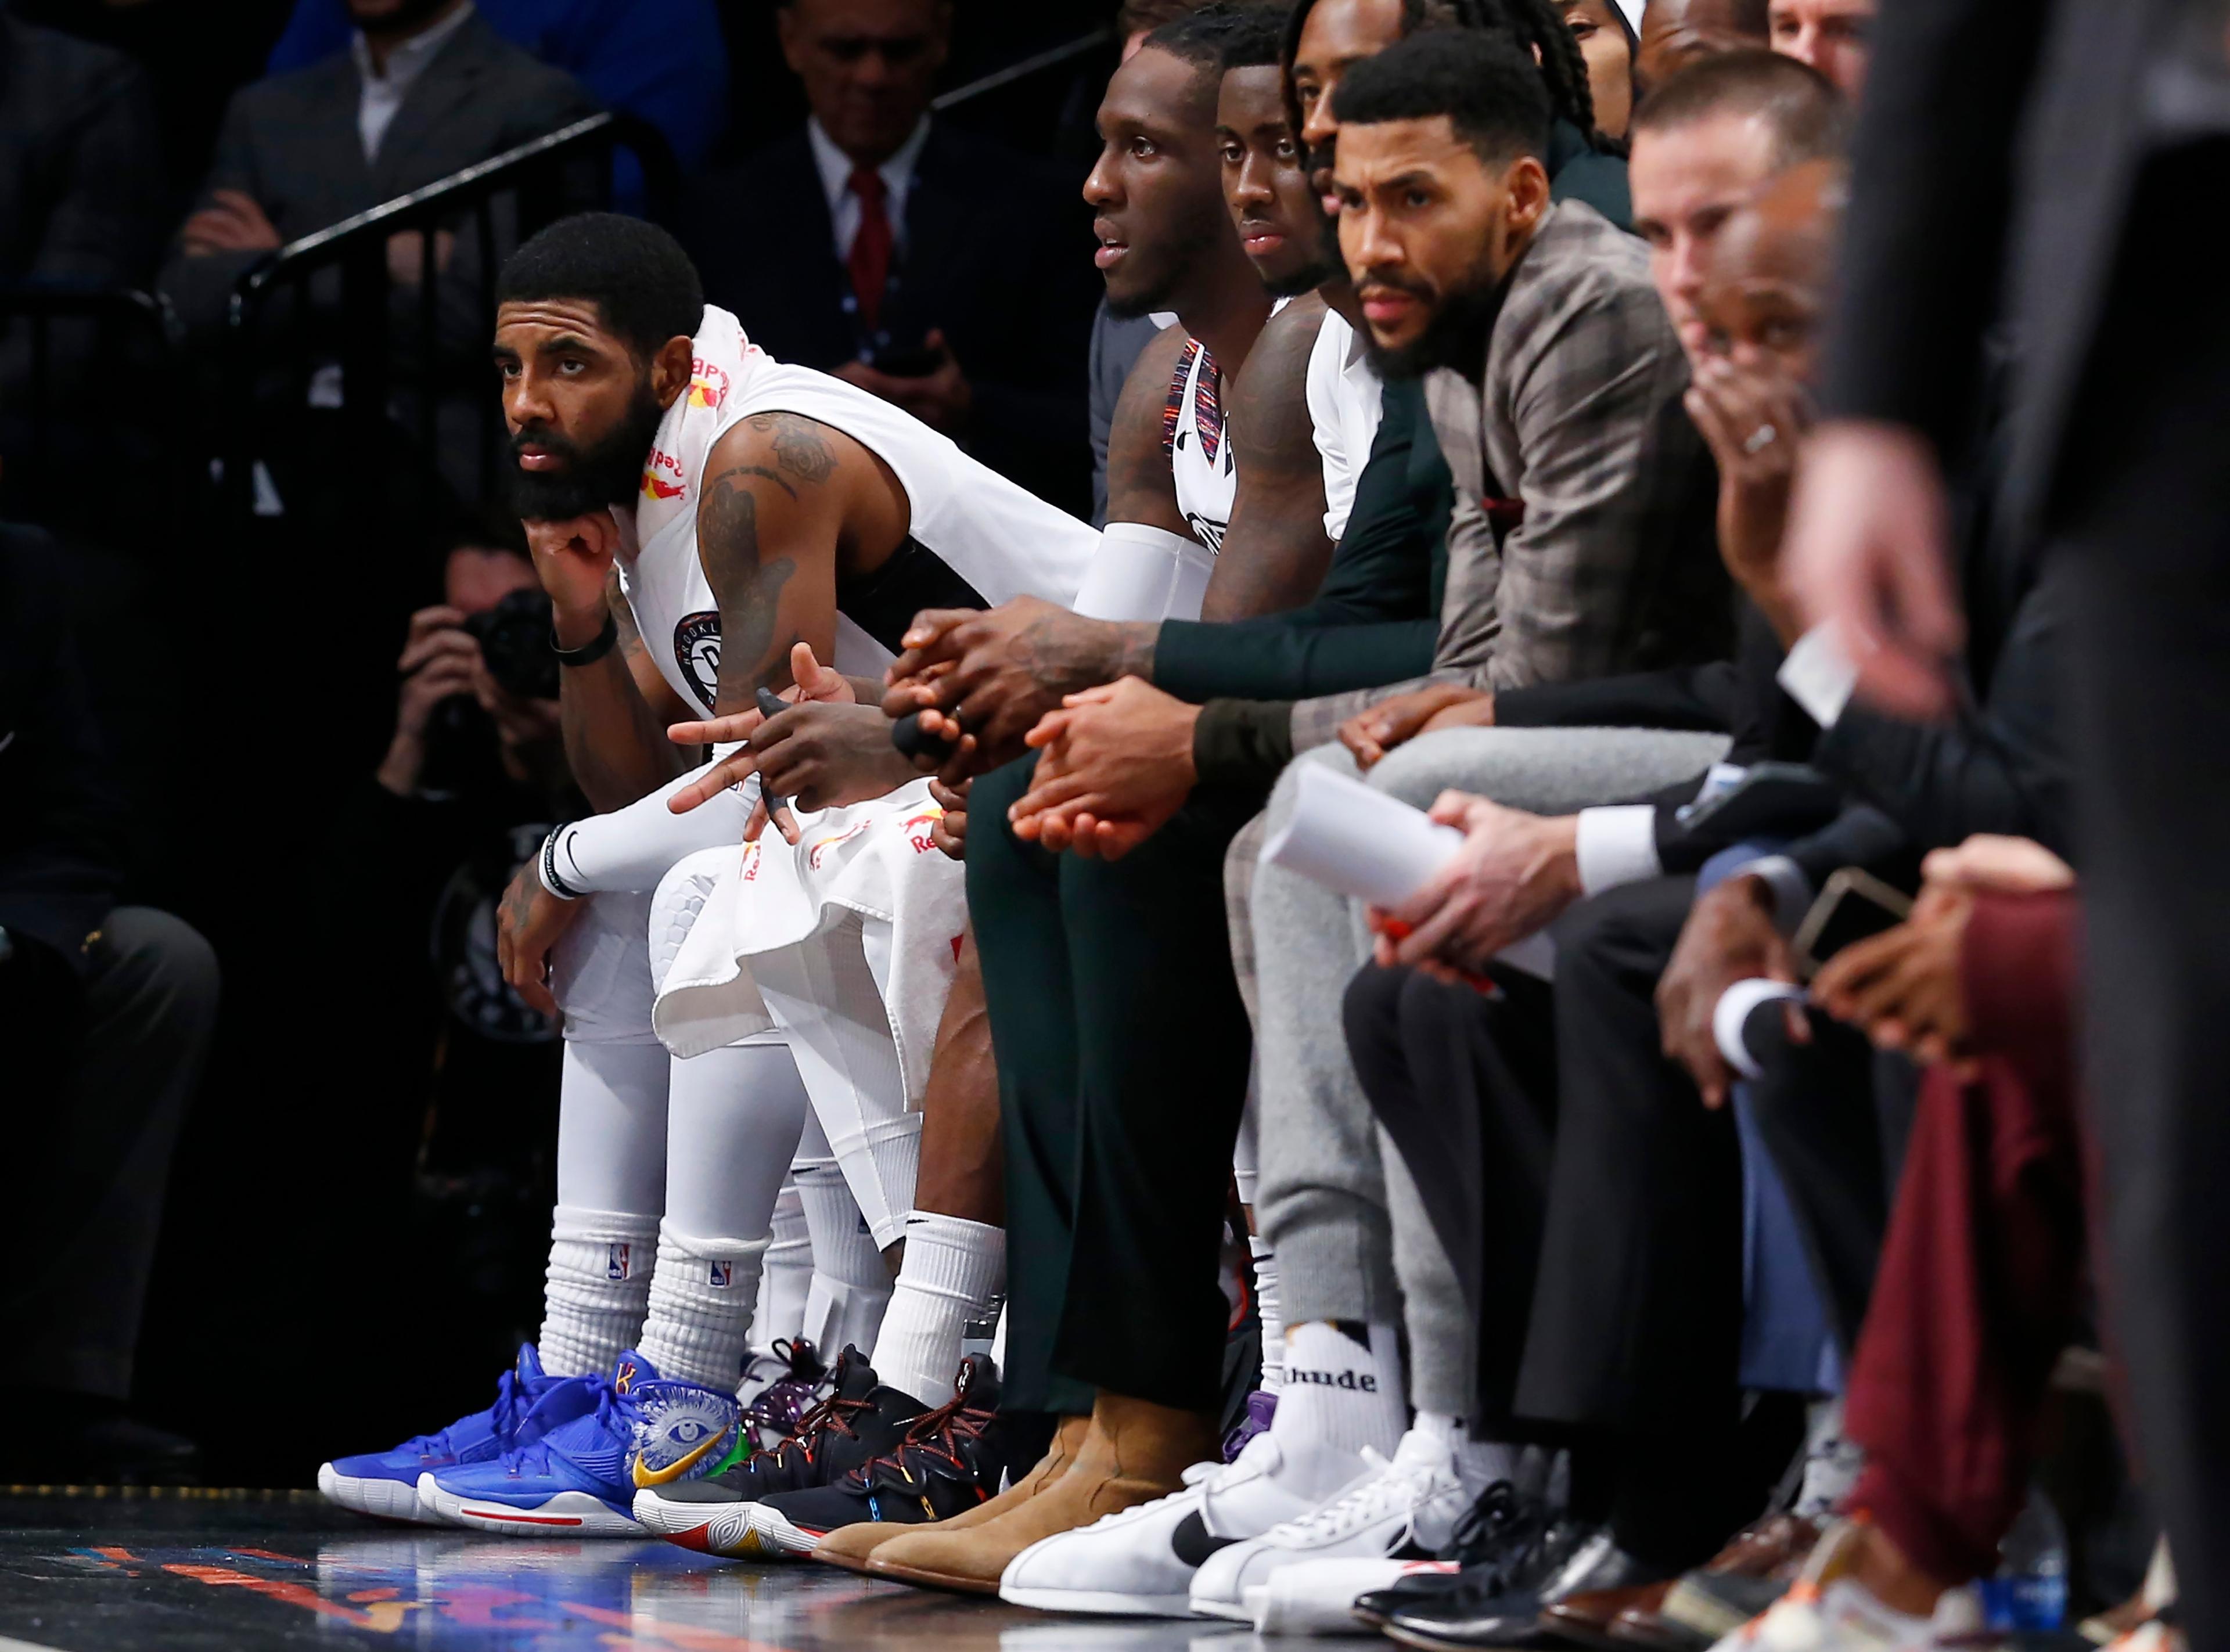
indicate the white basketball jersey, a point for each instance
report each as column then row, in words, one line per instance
column 974, row 540
column 1193, row 437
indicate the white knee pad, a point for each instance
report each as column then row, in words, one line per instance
column 600, row 972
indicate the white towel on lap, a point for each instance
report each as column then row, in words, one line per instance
column 872, row 859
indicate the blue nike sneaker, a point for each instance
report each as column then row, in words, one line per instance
column 527, row 1405
column 581, row 1479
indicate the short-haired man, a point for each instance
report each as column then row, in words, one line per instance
column 707, row 521
column 1829, row 35
column 1704, row 142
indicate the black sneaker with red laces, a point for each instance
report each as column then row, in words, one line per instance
column 860, row 1421
column 951, row 1459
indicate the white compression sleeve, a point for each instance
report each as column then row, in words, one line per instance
column 1145, row 572
column 631, row 849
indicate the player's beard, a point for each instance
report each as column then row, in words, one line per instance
column 606, row 472
column 1455, row 335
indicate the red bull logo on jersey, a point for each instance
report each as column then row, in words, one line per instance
column 919, row 830
column 662, row 477
column 708, row 385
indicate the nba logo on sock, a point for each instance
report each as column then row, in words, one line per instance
column 617, row 1262
column 722, row 1274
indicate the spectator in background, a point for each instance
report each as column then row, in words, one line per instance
column 1676, row 33
column 1829, row 35
column 662, row 60
column 425, row 88
column 79, row 163
column 471, row 779
column 944, row 273
column 79, row 201
column 106, row 1012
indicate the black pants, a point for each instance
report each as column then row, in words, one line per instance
column 86, row 1206
column 2144, row 514
column 1123, row 1048
column 1615, row 1320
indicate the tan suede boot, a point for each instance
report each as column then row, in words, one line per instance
column 848, row 1546
column 1135, row 1451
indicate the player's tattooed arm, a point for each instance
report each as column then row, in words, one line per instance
column 1275, row 552
column 766, row 534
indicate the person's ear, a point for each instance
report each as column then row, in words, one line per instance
column 786, row 30
column 940, row 34
column 1527, row 182
column 670, row 370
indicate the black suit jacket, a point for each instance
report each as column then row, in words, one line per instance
column 998, row 255
column 81, row 165
column 61, row 825
column 1997, row 151
column 290, row 143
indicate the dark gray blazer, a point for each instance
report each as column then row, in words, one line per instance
column 290, row 143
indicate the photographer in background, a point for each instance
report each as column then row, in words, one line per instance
column 473, row 776
column 106, row 1012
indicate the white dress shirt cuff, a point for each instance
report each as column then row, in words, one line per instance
column 1616, row 846
column 1792, row 890
column 1733, row 1010
column 1820, row 675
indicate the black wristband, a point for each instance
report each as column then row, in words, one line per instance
column 550, row 880
column 589, row 653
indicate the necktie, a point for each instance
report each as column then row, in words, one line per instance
column 870, row 262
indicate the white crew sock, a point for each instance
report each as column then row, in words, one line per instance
column 1480, row 1463
column 700, row 1306
column 1831, row 1462
column 597, row 1288
column 1339, row 1392
column 787, row 1275
column 1266, row 1306
column 851, row 1286
column 952, row 1269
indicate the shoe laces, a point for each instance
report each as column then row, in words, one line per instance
column 833, row 1415
column 1391, row 1487
column 503, row 1418
column 783, row 1404
column 615, row 1413
column 940, row 1434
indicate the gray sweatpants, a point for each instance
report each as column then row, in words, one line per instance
column 1351, row 1240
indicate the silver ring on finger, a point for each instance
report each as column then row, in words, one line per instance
column 1761, row 438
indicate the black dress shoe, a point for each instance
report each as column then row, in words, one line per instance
column 1528, row 1553
column 1463, row 1618
column 1503, row 1531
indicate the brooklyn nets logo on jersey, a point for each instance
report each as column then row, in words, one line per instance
column 697, row 650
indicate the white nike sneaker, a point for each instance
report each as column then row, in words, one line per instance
column 1139, row 1563
column 1405, row 1509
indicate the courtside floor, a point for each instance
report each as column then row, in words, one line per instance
column 209, row 1571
